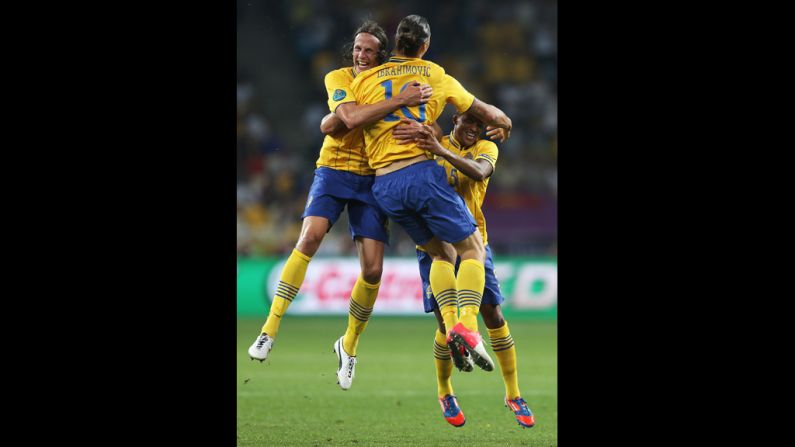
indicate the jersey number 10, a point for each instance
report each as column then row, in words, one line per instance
column 406, row 112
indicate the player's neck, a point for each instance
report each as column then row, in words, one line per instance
column 457, row 144
column 404, row 56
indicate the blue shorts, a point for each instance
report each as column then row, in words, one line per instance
column 419, row 198
column 491, row 293
column 333, row 189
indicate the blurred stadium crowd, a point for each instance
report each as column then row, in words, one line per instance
column 503, row 52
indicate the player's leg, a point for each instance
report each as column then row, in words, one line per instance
column 444, row 370
column 312, row 232
column 407, row 196
column 470, row 282
column 442, row 280
column 471, row 278
column 321, row 211
column 461, row 359
column 501, row 340
column 441, row 352
column 362, row 300
column 502, row 344
column 368, row 227
column 441, row 355
column 401, row 196
column 449, row 219
column 365, row 291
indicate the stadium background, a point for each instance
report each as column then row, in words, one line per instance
column 506, row 54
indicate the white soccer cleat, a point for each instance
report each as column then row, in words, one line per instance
column 261, row 347
column 346, row 368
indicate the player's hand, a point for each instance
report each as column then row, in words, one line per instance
column 427, row 92
column 415, row 94
column 426, row 140
column 407, row 131
column 497, row 133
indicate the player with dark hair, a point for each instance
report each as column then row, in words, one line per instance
column 411, row 188
column 469, row 163
column 343, row 178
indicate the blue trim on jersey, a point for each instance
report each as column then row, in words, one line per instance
column 487, row 157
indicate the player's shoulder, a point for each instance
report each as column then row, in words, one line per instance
column 486, row 145
column 435, row 67
column 344, row 73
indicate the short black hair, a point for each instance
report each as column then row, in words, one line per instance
column 375, row 29
column 412, row 32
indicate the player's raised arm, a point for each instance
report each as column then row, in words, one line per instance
column 492, row 117
column 355, row 115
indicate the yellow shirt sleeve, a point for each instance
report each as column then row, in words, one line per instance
column 338, row 88
column 457, row 94
column 489, row 152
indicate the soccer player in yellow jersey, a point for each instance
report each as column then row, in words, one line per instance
column 412, row 189
column 469, row 163
column 343, row 178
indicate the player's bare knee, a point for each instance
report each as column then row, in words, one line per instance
column 492, row 316
column 309, row 242
column 494, row 322
column 372, row 273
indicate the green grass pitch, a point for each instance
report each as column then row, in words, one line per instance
column 292, row 399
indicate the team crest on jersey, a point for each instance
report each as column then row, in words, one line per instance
column 428, row 292
column 468, row 155
column 339, row 94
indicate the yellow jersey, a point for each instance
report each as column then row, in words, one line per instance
column 383, row 82
column 472, row 191
column 346, row 153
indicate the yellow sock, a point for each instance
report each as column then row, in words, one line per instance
column 289, row 284
column 363, row 298
column 503, row 347
column 442, row 278
column 470, row 282
column 444, row 365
